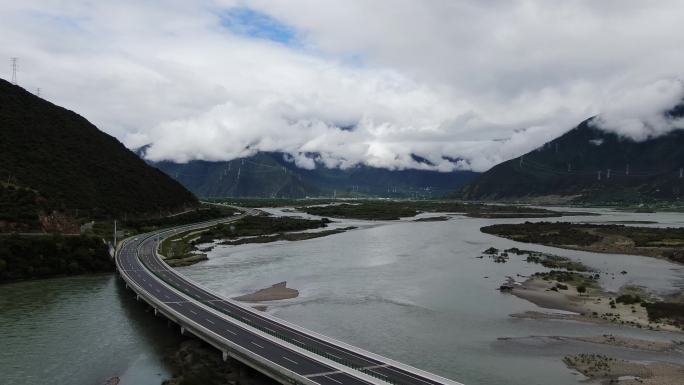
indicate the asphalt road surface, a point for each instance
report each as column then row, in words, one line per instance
column 142, row 251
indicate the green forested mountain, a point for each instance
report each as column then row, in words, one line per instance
column 271, row 175
column 56, row 167
column 591, row 165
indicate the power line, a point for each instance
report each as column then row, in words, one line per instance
column 14, row 70
column 532, row 165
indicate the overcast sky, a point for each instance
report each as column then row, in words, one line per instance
column 463, row 83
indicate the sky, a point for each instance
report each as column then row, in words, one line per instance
column 430, row 84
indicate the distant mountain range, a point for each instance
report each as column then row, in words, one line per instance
column 269, row 174
column 588, row 164
column 55, row 167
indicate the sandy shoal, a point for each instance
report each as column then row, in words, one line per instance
column 276, row 292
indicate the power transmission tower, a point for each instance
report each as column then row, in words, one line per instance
column 38, row 92
column 14, row 70
column 599, row 175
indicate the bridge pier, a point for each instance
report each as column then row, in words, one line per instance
column 182, row 330
column 225, row 356
column 155, row 311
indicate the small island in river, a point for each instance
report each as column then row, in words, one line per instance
column 394, row 210
column 184, row 249
column 272, row 293
column 618, row 239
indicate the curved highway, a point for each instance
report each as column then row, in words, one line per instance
column 316, row 358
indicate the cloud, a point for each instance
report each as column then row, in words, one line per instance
column 397, row 83
column 642, row 114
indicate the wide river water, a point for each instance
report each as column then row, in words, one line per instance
column 412, row 291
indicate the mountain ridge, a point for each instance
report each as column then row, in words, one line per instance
column 589, row 164
column 55, row 166
column 270, row 174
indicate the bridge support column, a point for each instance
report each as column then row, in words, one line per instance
column 182, row 330
column 137, row 297
column 155, row 311
column 225, row 356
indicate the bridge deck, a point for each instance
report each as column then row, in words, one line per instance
column 139, row 261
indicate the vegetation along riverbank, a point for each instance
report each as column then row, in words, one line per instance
column 611, row 370
column 572, row 286
column 25, row 257
column 394, row 210
column 647, row 241
column 185, row 248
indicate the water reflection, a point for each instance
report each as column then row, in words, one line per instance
column 79, row 330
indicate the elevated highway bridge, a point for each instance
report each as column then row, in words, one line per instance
column 285, row 352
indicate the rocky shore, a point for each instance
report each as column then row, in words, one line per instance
column 592, row 305
column 573, row 287
column 571, row 292
column 616, row 371
column 622, row 342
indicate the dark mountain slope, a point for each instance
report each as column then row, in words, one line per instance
column 56, row 161
column 271, row 175
column 260, row 175
column 589, row 164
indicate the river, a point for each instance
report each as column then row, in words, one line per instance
column 79, row 330
column 415, row 292
column 412, row 291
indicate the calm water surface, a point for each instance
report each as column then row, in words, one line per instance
column 417, row 293
column 411, row 291
column 79, row 330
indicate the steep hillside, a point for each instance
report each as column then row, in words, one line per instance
column 271, row 175
column 55, row 167
column 589, row 164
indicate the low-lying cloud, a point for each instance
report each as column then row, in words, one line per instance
column 441, row 85
column 644, row 113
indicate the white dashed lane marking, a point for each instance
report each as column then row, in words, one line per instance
column 332, row 379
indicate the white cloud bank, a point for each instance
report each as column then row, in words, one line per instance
column 463, row 84
column 643, row 114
